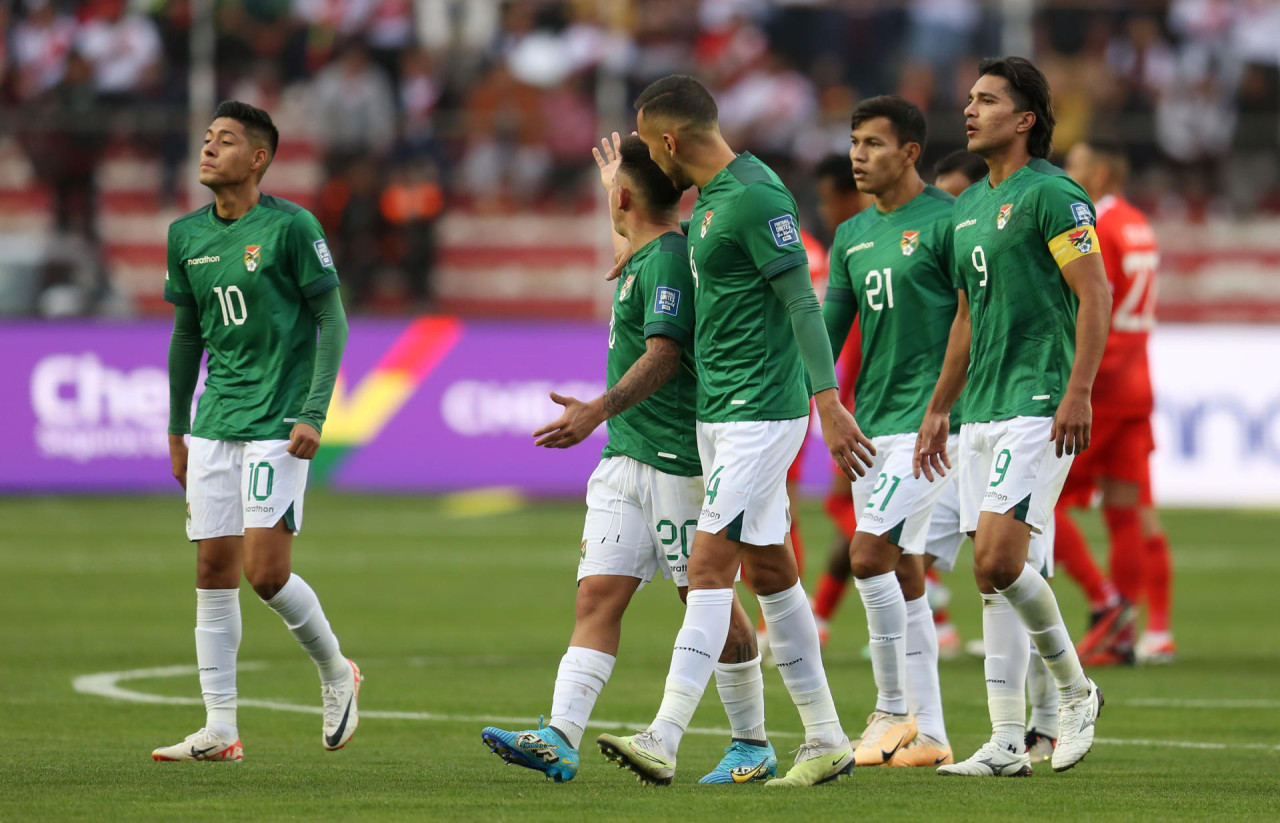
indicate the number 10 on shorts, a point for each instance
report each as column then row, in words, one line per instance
column 261, row 478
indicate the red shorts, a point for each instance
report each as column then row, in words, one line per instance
column 1119, row 449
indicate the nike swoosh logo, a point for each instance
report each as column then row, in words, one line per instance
column 201, row 752
column 334, row 738
column 652, row 759
column 744, row 777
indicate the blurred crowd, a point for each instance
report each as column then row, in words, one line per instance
column 493, row 105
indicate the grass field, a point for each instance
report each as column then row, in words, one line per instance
column 458, row 613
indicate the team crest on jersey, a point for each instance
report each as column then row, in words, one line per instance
column 626, row 287
column 1002, row 219
column 1081, row 240
column 252, row 256
column 706, row 222
column 910, row 242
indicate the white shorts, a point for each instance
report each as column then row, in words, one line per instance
column 1010, row 464
column 640, row 522
column 945, row 535
column 234, row 485
column 891, row 501
column 745, row 467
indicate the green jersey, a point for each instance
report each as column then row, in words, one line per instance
column 1011, row 242
column 655, row 296
column 743, row 233
column 250, row 281
column 895, row 269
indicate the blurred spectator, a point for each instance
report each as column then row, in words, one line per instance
column 42, row 42
column 420, row 92
column 411, row 204
column 123, row 48
column 505, row 157
column 351, row 214
column 353, row 108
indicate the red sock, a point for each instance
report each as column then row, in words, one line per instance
column 1127, row 550
column 1072, row 553
column 840, row 510
column 797, row 544
column 931, row 574
column 827, row 597
column 942, row 617
column 1159, row 571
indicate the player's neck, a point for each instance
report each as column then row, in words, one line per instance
column 907, row 188
column 1003, row 164
column 642, row 231
column 234, row 202
column 710, row 159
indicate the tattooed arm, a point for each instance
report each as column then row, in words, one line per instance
column 655, row 367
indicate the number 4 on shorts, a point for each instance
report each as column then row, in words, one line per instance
column 713, row 485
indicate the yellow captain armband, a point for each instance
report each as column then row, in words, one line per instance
column 1073, row 244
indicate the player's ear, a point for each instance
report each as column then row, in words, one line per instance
column 912, row 152
column 1028, row 120
column 669, row 141
column 624, row 198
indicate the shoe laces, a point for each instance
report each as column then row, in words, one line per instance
column 648, row 740
column 330, row 697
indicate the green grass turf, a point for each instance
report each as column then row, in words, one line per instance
column 464, row 612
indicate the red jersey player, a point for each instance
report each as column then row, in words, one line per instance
column 1117, row 462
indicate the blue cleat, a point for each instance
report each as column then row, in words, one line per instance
column 541, row 749
column 744, row 763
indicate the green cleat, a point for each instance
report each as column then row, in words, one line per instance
column 818, row 762
column 643, row 754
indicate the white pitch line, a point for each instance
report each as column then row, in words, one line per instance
column 107, row 684
column 1178, row 703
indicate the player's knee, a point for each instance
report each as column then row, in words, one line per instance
column 871, row 557
column 597, row 601
column 997, row 570
column 267, row 583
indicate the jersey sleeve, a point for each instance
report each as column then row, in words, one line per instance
column 310, row 256
column 1066, row 219
column 177, row 289
column 668, row 291
column 767, row 229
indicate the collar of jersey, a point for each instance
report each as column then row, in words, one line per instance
column 726, row 172
column 217, row 222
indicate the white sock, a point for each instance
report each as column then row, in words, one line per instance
column 887, row 622
column 300, row 610
column 793, row 636
column 924, row 694
column 217, row 642
column 741, row 687
column 698, row 645
column 583, row 673
column 1006, row 667
column 1036, row 606
column 1044, row 696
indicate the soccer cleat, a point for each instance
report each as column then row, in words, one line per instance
column 950, row 646
column 643, row 754
column 1077, row 722
column 203, row 745
column 1118, row 651
column 1040, row 746
column 818, row 762
column 744, row 763
column 1155, row 649
column 885, row 734
column 1105, row 626
column 992, row 760
column 541, row 749
column 923, row 751
column 341, row 715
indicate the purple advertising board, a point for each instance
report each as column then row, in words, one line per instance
column 431, row 404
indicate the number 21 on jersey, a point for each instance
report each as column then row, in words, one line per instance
column 877, row 283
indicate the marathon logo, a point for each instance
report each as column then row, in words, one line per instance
column 859, row 247
column 199, row 261
column 966, row 224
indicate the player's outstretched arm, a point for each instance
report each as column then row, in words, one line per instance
column 849, row 447
column 186, row 347
column 327, row 309
column 931, row 443
column 655, row 367
column 1073, row 421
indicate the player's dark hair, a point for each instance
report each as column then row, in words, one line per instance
column 837, row 169
column 905, row 117
column 1113, row 153
column 1030, row 92
column 680, row 98
column 257, row 123
column 655, row 188
column 966, row 162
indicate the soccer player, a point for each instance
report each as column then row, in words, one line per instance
column 1029, row 332
column 251, row 280
column 958, row 171
column 758, row 318
column 891, row 268
column 644, row 498
column 1119, row 462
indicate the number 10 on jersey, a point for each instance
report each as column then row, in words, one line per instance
column 234, row 309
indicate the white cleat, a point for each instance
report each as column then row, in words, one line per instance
column 341, row 716
column 1077, row 722
column 203, row 745
column 992, row 760
column 818, row 763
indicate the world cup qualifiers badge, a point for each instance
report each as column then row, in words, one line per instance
column 706, row 222
column 1003, row 218
column 252, row 255
column 910, row 242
